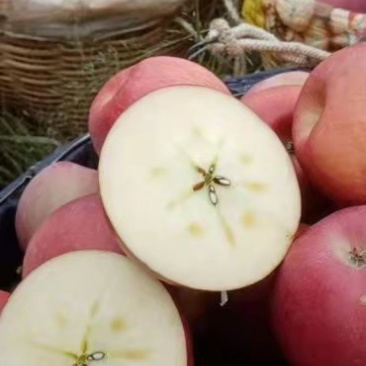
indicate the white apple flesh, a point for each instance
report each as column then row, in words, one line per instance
column 91, row 309
column 199, row 189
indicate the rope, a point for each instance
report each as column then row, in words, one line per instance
column 243, row 37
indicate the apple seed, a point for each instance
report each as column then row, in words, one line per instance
column 210, row 179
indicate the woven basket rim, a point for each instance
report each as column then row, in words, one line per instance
column 82, row 24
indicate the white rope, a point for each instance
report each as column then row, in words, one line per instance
column 237, row 40
column 232, row 11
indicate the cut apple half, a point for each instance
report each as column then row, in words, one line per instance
column 199, row 189
column 91, row 308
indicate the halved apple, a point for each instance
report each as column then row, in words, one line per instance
column 199, row 189
column 91, row 308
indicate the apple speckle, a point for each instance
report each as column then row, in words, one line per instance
column 246, row 159
column 94, row 309
column 158, row 172
column 60, row 320
column 195, row 230
column 248, row 220
column 197, row 132
column 118, row 324
column 256, row 187
column 130, row 355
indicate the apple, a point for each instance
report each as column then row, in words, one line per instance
column 319, row 298
column 358, row 6
column 199, row 189
column 78, row 225
column 54, row 186
column 92, row 308
column 329, row 130
column 133, row 83
column 4, row 297
column 288, row 78
column 276, row 107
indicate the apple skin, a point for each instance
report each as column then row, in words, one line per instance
column 329, row 126
column 4, row 297
column 130, row 85
column 78, row 225
column 318, row 303
column 276, row 106
column 53, row 187
column 289, row 78
column 358, row 6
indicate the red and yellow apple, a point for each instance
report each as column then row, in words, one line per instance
column 318, row 304
column 288, row 78
column 276, row 107
column 54, row 186
column 329, row 128
column 129, row 85
column 78, row 225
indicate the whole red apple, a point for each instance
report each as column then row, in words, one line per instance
column 54, row 186
column 330, row 126
column 78, row 225
column 130, row 85
column 276, row 107
column 288, row 78
column 318, row 305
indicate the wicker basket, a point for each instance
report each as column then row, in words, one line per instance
column 53, row 79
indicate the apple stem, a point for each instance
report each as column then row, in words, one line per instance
column 357, row 257
column 209, row 181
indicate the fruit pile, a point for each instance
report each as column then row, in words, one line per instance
column 238, row 220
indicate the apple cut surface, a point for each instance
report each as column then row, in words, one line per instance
column 199, row 189
column 88, row 309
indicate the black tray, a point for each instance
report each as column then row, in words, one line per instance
column 80, row 151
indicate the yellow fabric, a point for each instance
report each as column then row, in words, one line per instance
column 253, row 13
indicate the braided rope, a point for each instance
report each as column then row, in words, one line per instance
column 235, row 41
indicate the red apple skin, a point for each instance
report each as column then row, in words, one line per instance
column 329, row 126
column 358, row 6
column 4, row 297
column 318, row 304
column 79, row 225
column 53, row 187
column 290, row 78
column 276, row 106
column 130, row 85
